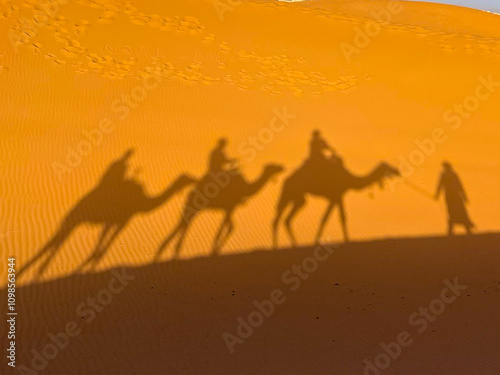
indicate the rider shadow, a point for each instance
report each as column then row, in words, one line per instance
column 223, row 188
column 113, row 202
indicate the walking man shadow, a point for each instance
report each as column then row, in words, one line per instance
column 455, row 197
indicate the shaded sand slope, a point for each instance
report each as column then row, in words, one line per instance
column 171, row 317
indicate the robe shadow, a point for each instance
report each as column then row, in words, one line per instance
column 456, row 199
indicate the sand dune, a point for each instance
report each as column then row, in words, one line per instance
column 171, row 317
column 411, row 84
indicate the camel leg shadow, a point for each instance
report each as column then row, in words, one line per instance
column 326, row 216
column 180, row 232
column 103, row 245
column 343, row 221
column 104, row 248
column 51, row 248
column 98, row 248
column 223, row 234
column 297, row 206
column 276, row 224
column 322, row 225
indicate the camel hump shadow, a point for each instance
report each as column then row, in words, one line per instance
column 112, row 203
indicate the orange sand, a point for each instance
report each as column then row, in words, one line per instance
column 228, row 77
column 168, row 78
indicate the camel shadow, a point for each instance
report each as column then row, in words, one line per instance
column 113, row 202
column 326, row 178
column 222, row 188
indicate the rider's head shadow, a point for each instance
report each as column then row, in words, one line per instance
column 447, row 167
column 222, row 142
column 112, row 203
column 117, row 170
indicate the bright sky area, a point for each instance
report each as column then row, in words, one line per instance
column 479, row 4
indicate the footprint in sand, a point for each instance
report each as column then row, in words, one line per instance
column 81, row 27
column 59, row 62
column 69, row 54
column 136, row 20
column 107, row 17
column 129, row 9
column 277, row 70
column 209, row 38
column 447, row 47
column 155, row 21
column 112, row 8
column 166, row 24
column 36, row 47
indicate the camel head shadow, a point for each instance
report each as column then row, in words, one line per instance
column 386, row 171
